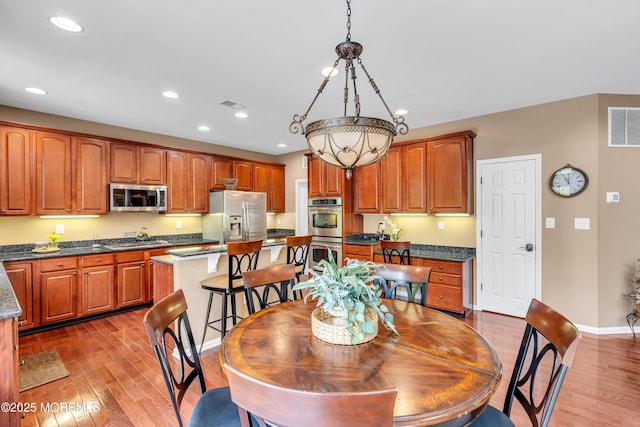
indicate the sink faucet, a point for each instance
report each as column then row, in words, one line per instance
column 142, row 235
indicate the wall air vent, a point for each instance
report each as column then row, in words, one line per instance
column 624, row 127
column 233, row 105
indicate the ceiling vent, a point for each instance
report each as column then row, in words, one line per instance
column 624, row 127
column 233, row 105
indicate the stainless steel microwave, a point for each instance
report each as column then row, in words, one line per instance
column 137, row 198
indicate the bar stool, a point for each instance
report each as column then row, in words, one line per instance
column 297, row 253
column 398, row 250
column 242, row 256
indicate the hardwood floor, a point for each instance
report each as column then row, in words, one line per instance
column 111, row 364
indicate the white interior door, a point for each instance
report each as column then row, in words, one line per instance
column 509, row 234
column 302, row 201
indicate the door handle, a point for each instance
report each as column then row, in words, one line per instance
column 528, row 247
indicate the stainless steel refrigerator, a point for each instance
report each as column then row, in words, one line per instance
column 235, row 216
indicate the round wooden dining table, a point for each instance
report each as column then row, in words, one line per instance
column 444, row 370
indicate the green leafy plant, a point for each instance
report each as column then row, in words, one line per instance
column 352, row 287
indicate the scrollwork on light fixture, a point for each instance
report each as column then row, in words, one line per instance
column 349, row 142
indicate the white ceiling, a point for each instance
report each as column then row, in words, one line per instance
column 440, row 59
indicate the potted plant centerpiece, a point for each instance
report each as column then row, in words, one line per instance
column 349, row 303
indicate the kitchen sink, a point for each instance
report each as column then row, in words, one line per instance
column 140, row 244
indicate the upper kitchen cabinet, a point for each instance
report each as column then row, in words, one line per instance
column 403, row 174
column 324, row 180
column 450, row 171
column 136, row 164
column 366, row 181
column 243, row 170
column 188, row 182
column 53, row 173
column 222, row 167
column 15, row 172
column 90, row 158
column 270, row 179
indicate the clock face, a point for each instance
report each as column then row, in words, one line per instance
column 569, row 181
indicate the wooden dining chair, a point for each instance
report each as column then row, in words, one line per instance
column 414, row 279
column 547, row 350
column 181, row 367
column 293, row 408
column 395, row 252
column 242, row 256
column 268, row 286
column 298, row 252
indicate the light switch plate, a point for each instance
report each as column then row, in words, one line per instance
column 59, row 228
column 582, row 223
column 551, row 223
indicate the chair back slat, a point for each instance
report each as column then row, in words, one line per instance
column 298, row 252
column 395, row 252
column 259, row 284
column 412, row 278
column 312, row 409
column 547, row 350
column 243, row 256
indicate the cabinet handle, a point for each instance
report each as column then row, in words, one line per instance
column 441, row 296
column 98, row 260
column 59, row 264
column 440, row 278
column 21, row 363
column 86, row 272
column 68, row 210
column 20, row 323
column 75, row 273
column 2, row 211
column 440, row 267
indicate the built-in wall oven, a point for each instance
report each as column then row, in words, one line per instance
column 325, row 225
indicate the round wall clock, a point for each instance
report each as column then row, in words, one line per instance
column 568, row 181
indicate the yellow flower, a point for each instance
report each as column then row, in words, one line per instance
column 53, row 236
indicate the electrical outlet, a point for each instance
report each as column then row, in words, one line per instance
column 59, row 228
column 440, row 225
column 178, row 224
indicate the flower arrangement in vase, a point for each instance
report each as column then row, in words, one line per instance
column 53, row 239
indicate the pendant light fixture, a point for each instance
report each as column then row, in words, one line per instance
column 353, row 141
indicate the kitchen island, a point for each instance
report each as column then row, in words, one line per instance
column 190, row 265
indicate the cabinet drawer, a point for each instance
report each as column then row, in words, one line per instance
column 445, row 297
column 357, row 250
column 129, row 256
column 56, row 264
column 448, row 267
column 445, row 279
column 97, row 260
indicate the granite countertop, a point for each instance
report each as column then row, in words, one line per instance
column 199, row 250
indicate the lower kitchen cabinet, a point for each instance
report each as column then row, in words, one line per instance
column 97, row 292
column 58, row 290
column 10, row 384
column 132, row 278
column 21, row 278
column 359, row 252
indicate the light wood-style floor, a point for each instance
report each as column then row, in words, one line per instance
column 111, row 363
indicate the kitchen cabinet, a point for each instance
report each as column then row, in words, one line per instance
column 188, row 182
column 97, row 291
column 15, row 171
column 58, row 289
column 90, row 159
column 324, row 180
column 360, row 252
column 403, row 176
column 138, row 164
column 222, row 167
column 21, row 277
column 450, row 171
column 162, row 280
column 53, row 173
column 132, row 282
column 10, row 384
column 366, row 181
column 270, row 179
column 243, row 170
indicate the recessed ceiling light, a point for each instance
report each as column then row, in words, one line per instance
column 36, row 90
column 66, row 24
column 241, row 115
column 325, row 71
column 170, row 94
column 401, row 112
column 282, row 145
column 204, row 128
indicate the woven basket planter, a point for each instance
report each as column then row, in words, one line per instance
column 333, row 329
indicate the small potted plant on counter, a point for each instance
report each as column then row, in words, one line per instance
column 349, row 303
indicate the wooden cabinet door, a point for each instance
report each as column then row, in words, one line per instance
column 21, row 278
column 177, row 168
column 314, row 177
column 222, row 168
column 332, row 180
column 152, row 166
column 58, row 295
column 367, row 189
column 415, row 175
column 53, row 173
column 199, row 182
column 449, row 175
column 276, row 199
column 124, row 163
column 15, row 171
column 391, row 180
column 97, row 291
column 261, row 178
column 91, row 160
column 244, row 172
column 131, row 283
